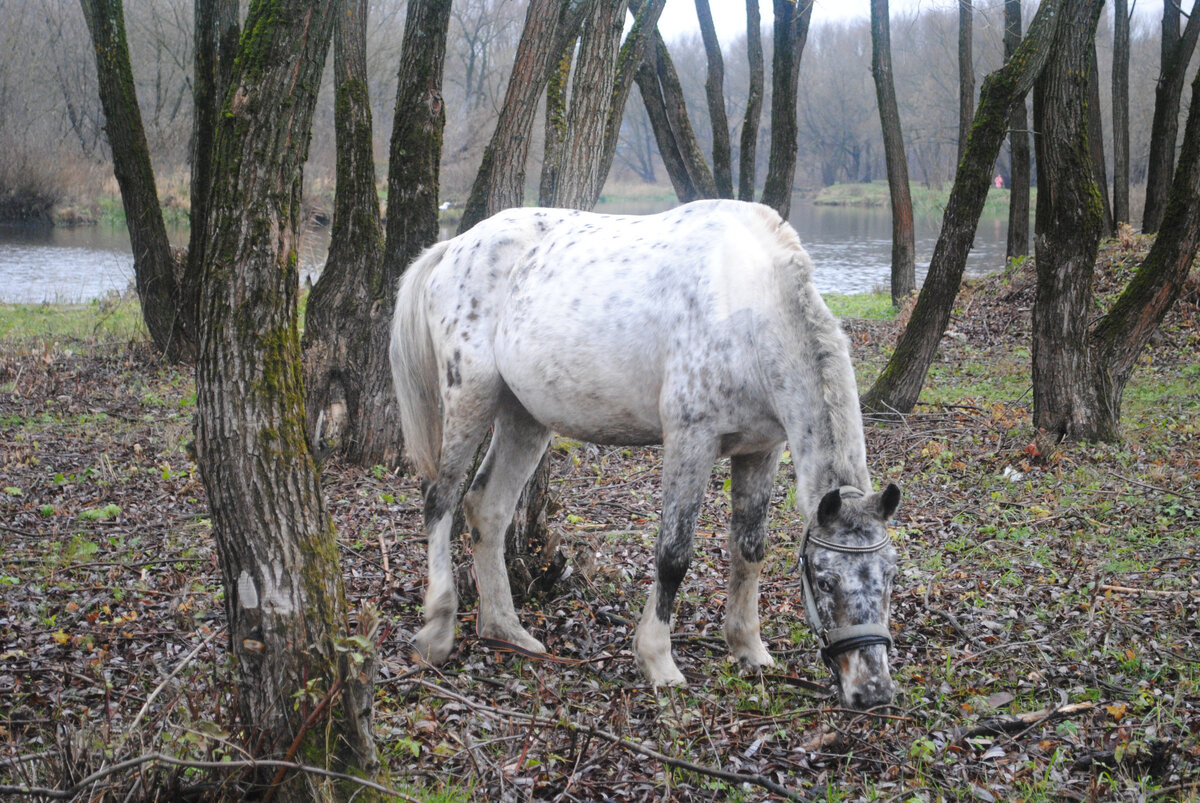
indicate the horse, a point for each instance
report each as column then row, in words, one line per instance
column 699, row 329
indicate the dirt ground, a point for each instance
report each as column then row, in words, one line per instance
column 1045, row 619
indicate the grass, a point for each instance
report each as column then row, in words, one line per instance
column 926, row 200
column 112, row 318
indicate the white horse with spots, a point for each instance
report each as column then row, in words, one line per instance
column 699, row 329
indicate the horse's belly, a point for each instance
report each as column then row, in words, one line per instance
column 582, row 392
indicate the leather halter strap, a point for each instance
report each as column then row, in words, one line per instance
column 838, row 640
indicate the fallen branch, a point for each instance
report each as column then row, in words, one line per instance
column 1000, row 726
column 160, row 758
column 1149, row 592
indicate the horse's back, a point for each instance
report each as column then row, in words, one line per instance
column 614, row 323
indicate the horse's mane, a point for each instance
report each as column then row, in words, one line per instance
column 821, row 338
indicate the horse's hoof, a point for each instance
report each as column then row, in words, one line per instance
column 755, row 660
column 432, row 644
column 512, row 637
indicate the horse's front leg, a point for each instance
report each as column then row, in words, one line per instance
column 750, row 492
column 686, row 468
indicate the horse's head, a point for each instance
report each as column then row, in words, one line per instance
column 849, row 564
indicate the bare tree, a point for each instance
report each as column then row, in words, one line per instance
column 903, row 238
column 1175, row 54
column 792, row 20
column 714, row 86
column 747, row 159
column 1018, row 139
column 299, row 686
column 899, row 384
column 966, row 74
column 1120, row 112
column 155, row 270
column 1068, row 227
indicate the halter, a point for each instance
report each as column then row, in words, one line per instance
column 839, row 640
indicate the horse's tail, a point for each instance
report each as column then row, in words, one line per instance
column 414, row 366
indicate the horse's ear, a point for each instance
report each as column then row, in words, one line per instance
column 827, row 511
column 888, row 500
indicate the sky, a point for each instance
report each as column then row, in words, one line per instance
column 729, row 16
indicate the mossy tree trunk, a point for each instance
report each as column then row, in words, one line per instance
column 1070, row 220
column 1118, row 338
column 898, row 386
column 748, row 156
column 1018, row 142
column 350, row 400
column 301, row 686
column 156, row 273
column 1176, row 50
column 791, row 32
column 903, row 236
column 414, row 161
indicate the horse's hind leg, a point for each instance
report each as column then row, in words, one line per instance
column 517, row 445
column 687, row 464
column 461, row 437
column 752, row 482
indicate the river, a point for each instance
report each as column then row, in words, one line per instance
column 851, row 249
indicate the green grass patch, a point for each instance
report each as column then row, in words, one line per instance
column 926, row 200
column 117, row 318
column 877, row 306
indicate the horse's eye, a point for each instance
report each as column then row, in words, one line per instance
column 826, row 584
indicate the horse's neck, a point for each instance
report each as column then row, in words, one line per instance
column 825, row 426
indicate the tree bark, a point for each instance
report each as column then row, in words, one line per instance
column 666, row 107
column 898, row 386
column 1096, row 141
column 500, row 182
column 966, row 75
column 1070, row 219
column 903, row 238
column 1120, row 112
column 714, row 88
column 284, row 598
column 215, row 39
column 1018, row 139
column 1123, row 332
column 556, row 125
column 156, row 273
column 1176, row 53
column 350, row 400
column 414, row 159
column 748, row 157
column 791, row 32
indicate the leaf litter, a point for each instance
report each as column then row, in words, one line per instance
column 1045, row 619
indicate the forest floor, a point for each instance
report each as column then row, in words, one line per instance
column 1045, row 619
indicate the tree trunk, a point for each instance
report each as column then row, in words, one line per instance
column 1120, row 112
column 156, row 273
column 791, row 32
column 1176, row 53
column 1018, row 140
column 1120, row 335
column 966, row 75
column 1070, row 219
column 414, row 159
column 714, row 88
column 215, row 39
column 898, row 386
column 298, row 688
column 1096, row 140
column 903, row 244
column 556, row 125
column 500, row 182
column 748, row 158
column 350, row 400
column 666, row 107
